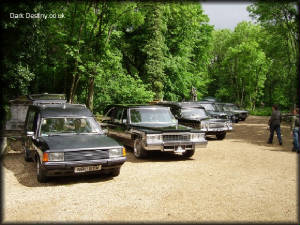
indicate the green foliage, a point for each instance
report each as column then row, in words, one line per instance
column 18, row 78
column 280, row 21
column 261, row 111
column 239, row 66
column 105, row 52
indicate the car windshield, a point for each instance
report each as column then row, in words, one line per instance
column 60, row 126
column 230, row 107
column 193, row 112
column 208, row 107
column 219, row 107
column 151, row 115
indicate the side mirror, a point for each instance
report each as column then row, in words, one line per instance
column 30, row 133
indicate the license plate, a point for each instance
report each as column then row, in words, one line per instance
column 87, row 169
column 179, row 150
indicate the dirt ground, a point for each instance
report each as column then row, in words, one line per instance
column 239, row 179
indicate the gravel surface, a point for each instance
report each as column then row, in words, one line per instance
column 239, row 179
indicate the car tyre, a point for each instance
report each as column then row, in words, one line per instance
column 138, row 150
column 115, row 172
column 26, row 156
column 221, row 135
column 40, row 172
column 188, row 153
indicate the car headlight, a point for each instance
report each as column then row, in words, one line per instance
column 197, row 136
column 116, row 152
column 55, row 156
column 203, row 126
column 228, row 124
column 153, row 138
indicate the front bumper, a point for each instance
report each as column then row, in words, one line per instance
column 217, row 130
column 67, row 167
column 173, row 146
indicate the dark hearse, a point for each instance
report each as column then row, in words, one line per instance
column 198, row 119
column 151, row 128
column 64, row 139
column 243, row 114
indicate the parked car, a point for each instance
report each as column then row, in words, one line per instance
column 243, row 114
column 198, row 119
column 211, row 109
column 19, row 106
column 209, row 98
column 151, row 128
column 234, row 116
column 64, row 139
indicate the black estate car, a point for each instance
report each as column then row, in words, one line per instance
column 198, row 118
column 65, row 139
column 151, row 128
column 242, row 114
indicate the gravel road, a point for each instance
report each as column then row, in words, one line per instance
column 239, row 179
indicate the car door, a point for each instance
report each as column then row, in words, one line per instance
column 30, row 130
column 113, row 122
column 126, row 129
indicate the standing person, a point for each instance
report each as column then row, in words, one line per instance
column 194, row 94
column 274, row 124
column 295, row 130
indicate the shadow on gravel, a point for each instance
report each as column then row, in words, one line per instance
column 25, row 172
column 254, row 130
column 155, row 156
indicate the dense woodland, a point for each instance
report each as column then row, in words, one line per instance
column 135, row 52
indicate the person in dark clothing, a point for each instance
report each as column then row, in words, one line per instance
column 274, row 124
column 295, row 130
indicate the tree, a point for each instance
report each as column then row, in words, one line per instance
column 281, row 22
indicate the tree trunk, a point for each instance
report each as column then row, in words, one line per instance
column 90, row 99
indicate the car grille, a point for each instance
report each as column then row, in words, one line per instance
column 86, row 155
column 216, row 125
column 175, row 137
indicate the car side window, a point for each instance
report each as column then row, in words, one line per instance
column 175, row 112
column 31, row 117
column 111, row 113
column 118, row 115
column 124, row 116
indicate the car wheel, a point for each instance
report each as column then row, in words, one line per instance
column 41, row 176
column 138, row 150
column 188, row 153
column 26, row 156
column 221, row 135
column 115, row 172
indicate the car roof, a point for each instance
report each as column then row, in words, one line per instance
column 135, row 106
column 204, row 102
column 109, row 107
column 228, row 103
column 180, row 104
column 63, row 110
